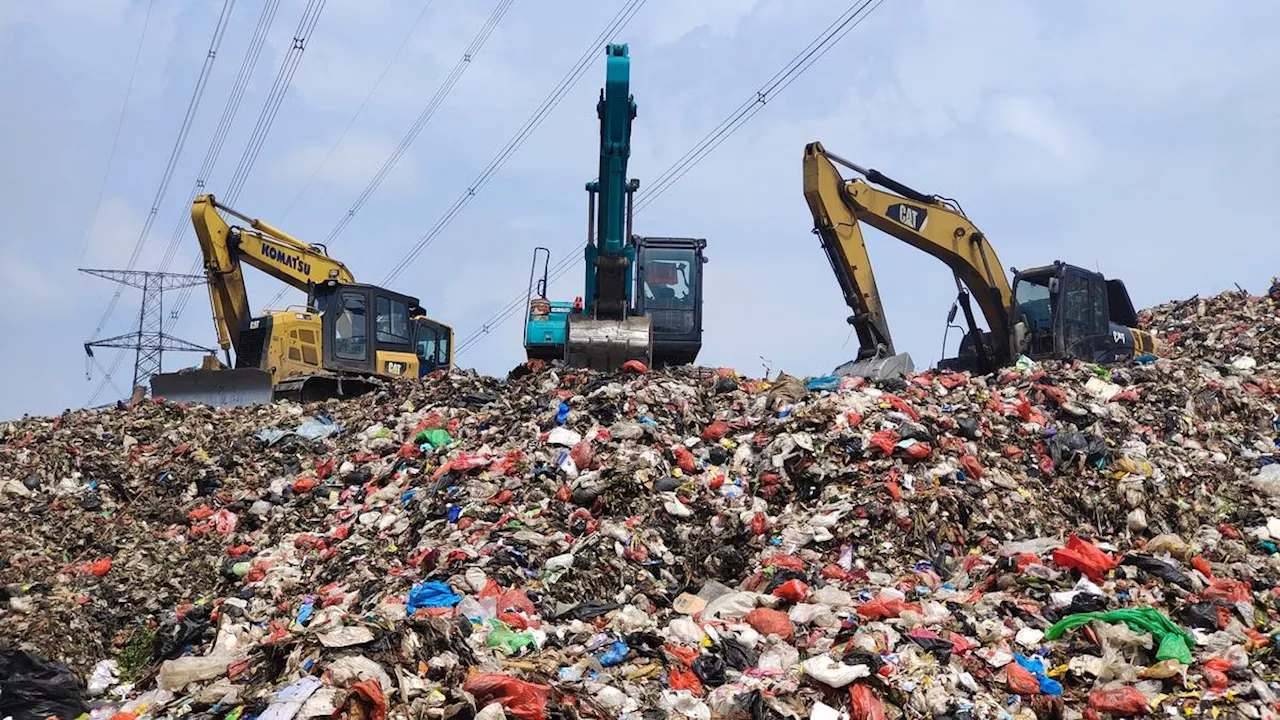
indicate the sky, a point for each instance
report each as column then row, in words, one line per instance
column 1135, row 138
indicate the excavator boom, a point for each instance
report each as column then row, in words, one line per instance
column 923, row 221
column 1059, row 311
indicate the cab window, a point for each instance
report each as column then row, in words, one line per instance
column 350, row 340
column 393, row 321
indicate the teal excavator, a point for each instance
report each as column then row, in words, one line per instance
column 643, row 295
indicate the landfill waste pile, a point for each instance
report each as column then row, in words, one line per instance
column 1052, row 541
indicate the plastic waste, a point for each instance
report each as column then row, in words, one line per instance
column 828, row 671
column 34, row 688
column 177, row 674
column 1174, row 642
column 434, row 594
column 1119, row 701
column 525, row 700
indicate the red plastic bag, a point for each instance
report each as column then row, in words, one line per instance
column 684, row 459
column 885, row 440
column 971, row 466
column 1021, row 681
column 864, row 704
column 919, row 450
column 582, row 454
column 1119, row 701
column 715, row 431
column 783, row 560
column 635, row 366
column 518, row 601
column 792, row 590
column 98, row 568
column 525, row 700
column 902, row 406
column 1086, row 558
column 1229, row 590
column 681, row 679
column 369, row 692
column 768, row 621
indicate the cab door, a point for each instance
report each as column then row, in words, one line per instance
column 1083, row 317
column 347, row 325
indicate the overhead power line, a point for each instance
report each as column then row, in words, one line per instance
column 229, row 110
column 202, row 80
column 270, row 108
column 539, row 114
column 852, row 16
column 351, row 121
column 432, row 105
column 115, row 140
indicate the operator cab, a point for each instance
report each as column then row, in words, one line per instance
column 371, row 330
column 1064, row 311
column 669, row 291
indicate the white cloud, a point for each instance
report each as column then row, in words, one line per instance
column 349, row 169
column 666, row 22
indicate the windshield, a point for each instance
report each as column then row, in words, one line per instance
column 1036, row 303
column 668, row 278
column 669, row 283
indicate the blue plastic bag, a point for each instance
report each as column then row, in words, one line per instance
column 562, row 414
column 434, row 594
column 1035, row 666
column 616, row 653
column 829, row 382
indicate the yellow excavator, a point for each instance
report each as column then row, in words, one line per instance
column 1057, row 311
column 342, row 342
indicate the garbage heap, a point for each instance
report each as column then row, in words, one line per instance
column 1053, row 541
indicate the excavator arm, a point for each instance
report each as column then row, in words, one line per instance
column 261, row 246
column 925, row 222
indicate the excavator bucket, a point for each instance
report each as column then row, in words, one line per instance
column 878, row 368
column 219, row 388
column 606, row 344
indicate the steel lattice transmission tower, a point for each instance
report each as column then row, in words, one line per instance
column 149, row 342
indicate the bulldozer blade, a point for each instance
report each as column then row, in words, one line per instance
column 606, row 344
column 878, row 368
column 219, row 388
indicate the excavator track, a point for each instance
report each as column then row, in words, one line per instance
column 315, row 388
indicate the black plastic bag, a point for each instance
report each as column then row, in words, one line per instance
column 588, row 610
column 710, row 670
column 186, row 631
column 1086, row 602
column 1203, row 615
column 939, row 648
column 1067, row 446
column 738, row 656
column 34, row 688
column 1160, row 569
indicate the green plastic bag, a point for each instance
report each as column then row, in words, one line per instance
column 502, row 636
column 1175, row 643
column 437, row 437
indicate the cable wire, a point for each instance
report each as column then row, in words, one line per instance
column 468, row 54
column 202, row 80
column 797, row 66
column 229, row 110
column 270, row 107
column 351, row 121
column 540, row 113
column 115, row 140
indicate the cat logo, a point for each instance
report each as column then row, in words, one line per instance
column 1119, row 338
column 395, row 368
column 909, row 215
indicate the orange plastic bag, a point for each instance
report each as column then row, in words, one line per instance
column 864, row 704
column 525, row 700
column 681, row 679
column 768, row 621
column 1086, row 558
column 1021, row 681
column 879, row 608
column 1119, row 701
column 635, row 366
